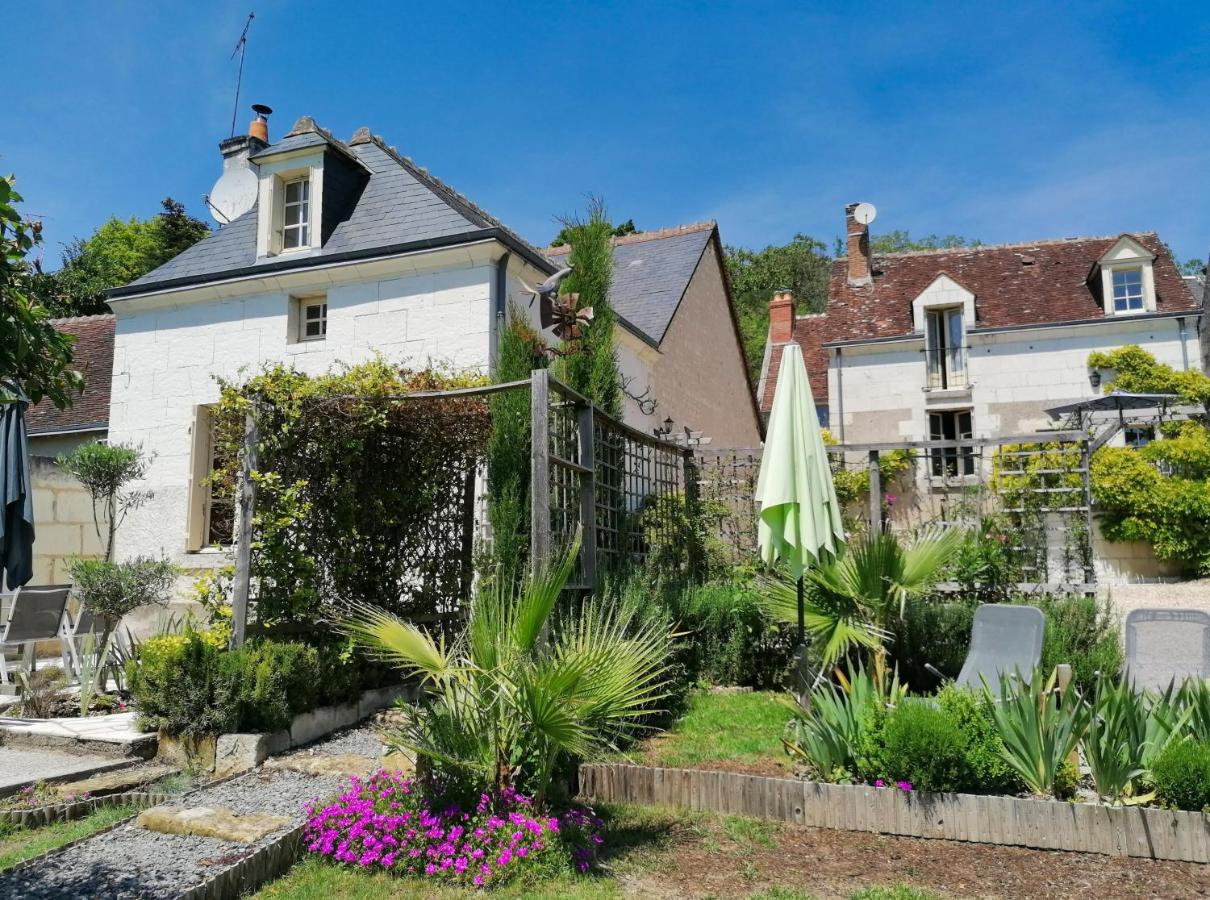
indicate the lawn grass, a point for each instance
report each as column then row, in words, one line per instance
column 743, row 729
column 20, row 844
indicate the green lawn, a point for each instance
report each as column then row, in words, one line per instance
column 741, row 730
column 20, row 844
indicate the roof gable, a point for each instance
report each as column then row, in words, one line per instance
column 1126, row 248
column 92, row 356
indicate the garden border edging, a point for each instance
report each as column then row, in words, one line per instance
column 1137, row 831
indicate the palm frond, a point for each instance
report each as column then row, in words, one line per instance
column 394, row 640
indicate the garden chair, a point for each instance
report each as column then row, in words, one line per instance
column 72, row 634
column 1005, row 639
column 1166, row 645
column 36, row 614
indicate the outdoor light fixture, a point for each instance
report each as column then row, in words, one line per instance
column 668, row 423
column 1095, row 378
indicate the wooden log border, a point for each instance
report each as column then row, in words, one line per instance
column 1136, row 831
column 38, row 816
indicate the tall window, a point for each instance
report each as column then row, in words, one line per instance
column 1127, row 290
column 946, row 359
column 296, row 214
column 951, row 425
column 212, row 504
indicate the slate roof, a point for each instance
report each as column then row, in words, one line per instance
column 1197, row 287
column 402, row 207
column 651, row 271
column 1035, row 283
column 93, row 358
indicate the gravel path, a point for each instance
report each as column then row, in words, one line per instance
column 131, row 862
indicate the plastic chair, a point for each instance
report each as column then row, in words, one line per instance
column 1165, row 646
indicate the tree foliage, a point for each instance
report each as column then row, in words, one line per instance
column 900, row 241
column 106, row 471
column 1138, row 371
column 801, row 266
column 115, row 254
column 592, row 367
column 35, row 358
column 563, row 238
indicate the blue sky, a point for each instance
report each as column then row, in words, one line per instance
column 1001, row 122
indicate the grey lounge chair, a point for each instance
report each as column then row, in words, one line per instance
column 1166, row 645
column 36, row 615
column 1005, row 639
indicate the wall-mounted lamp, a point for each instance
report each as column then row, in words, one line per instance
column 1094, row 378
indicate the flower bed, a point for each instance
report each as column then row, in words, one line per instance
column 388, row 822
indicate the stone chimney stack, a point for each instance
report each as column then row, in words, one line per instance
column 781, row 318
column 859, row 247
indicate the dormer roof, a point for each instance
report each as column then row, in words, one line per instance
column 402, row 208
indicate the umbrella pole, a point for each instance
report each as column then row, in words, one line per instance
column 802, row 615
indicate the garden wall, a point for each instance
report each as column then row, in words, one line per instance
column 1042, row 824
column 63, row 522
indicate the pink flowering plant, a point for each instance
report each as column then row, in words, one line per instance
column 387, row 822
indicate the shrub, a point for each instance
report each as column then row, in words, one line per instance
column 984, row 751
column 284, row 680
column 392, row 822
column 1038, row 732
column 935, row 632
column 922, row 745
column 41, row 691
column 1083, row 632
column 1182, row 775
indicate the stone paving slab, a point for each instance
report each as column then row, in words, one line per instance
column 19, row 767
column 213, row 822
column 115, row 728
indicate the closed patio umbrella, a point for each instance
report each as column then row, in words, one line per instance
column 800, row 522
column 16, row 496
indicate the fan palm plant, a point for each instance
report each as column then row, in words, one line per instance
column 852, row 601
column 523, row 688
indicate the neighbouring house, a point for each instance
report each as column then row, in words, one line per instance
column 337, row 252
column 979, row 341
column 678, row 345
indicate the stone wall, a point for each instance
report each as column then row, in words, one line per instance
column 63, row 522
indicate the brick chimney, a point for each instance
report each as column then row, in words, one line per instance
column 859, row 247
column 781, row 317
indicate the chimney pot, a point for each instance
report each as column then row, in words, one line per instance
column 781, row 317
column 859, row 247
column 259, row 127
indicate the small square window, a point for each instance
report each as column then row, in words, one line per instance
column 312, row 319
column 1127, row 290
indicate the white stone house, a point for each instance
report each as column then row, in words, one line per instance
column 977, row 342
column 348, row 250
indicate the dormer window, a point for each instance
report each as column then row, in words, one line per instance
column 296, row 214
column 1127, row 290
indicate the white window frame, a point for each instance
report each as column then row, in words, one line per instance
column 1128, row 296
column 305, row 304
column 303, row 226
column 946, row 360
column 1128, row 255
column 952, row 462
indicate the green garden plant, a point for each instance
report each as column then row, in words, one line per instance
column 1182, row 775
column 522, row 690
column 106, row 471
column 1039, row 732
column 854, row 601
column 1115, row 743
column 922, row 745
column 971, row 714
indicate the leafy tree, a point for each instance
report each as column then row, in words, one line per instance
column 1193, row 267
column 592, row 369
column 34, row 357
column 564, row 236
column 902, row 242
column 106, row 470
column 115, row 254
column 801, row 266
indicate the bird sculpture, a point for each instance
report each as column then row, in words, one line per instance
column 565, row 318
column 549, row 288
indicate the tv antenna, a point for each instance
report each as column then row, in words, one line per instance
column 241, row 47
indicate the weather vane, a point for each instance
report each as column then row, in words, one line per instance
column 241, row 47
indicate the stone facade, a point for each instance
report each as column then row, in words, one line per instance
column 63, row 522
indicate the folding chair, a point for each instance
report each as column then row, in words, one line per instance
column 72, row 634
column 1166, row 645
column 1006, row 639
column 36, row 615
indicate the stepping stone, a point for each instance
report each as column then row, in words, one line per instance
column 114, row 782
column 321, row 764
column 398, row 761
column 214, row 822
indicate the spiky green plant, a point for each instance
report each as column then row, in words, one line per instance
column 1115, row 744
column 1039, row 732
column 521, row 689
column 852, row 601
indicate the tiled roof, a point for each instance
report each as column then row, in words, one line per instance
column 651, row 271
column 93, row 357
column 1034, row 283
column 402, row 205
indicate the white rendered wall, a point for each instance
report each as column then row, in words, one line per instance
column 167, row 356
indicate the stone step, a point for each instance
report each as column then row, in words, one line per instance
column 321, row 764
column 115, row 782
column 213, row 822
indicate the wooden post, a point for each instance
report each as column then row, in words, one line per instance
column 1090, row 575
column 245, row 509
column 588, row 496
column 539, row 470
column 875, row 494
column 693, row 514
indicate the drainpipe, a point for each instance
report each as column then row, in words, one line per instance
column 499, row 311
column 1180, row 328
column 840, row 391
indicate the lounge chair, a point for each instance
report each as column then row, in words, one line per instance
column 36, row 614
column 1166, row 645
column 1005, row 639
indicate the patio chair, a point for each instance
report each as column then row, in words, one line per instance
column 72, row 633
column 1166, row 645
column 1005, row 639
column 36, row 614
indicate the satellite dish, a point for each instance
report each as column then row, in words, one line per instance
column 234, row 193
column 864, row 213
